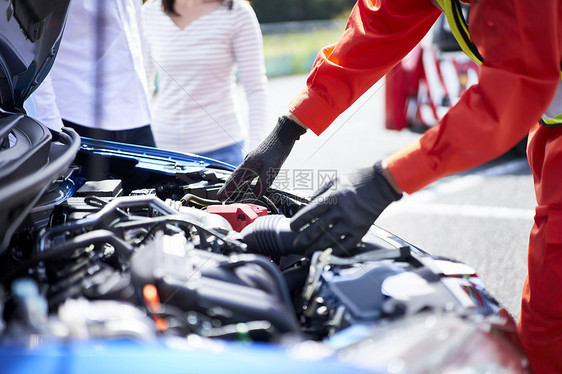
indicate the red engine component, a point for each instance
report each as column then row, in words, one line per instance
column 238, row 215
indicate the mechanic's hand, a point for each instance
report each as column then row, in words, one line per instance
column 342, row 211
column 263, row 162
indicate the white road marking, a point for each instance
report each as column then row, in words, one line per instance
column 464, row 210
column 421, row 202
column 461, row 183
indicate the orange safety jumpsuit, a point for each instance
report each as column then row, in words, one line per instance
column 521, row 43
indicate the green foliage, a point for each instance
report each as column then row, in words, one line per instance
column 290, row 51
column 299, row 10
column 294, row 53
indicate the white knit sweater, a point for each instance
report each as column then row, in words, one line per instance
column 194, row 108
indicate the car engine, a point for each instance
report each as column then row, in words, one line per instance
column 157, row 257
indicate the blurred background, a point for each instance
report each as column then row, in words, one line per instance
column 294, row 31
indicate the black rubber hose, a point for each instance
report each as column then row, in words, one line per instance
column 270, row 236
column 273, row 271
column 122, row 248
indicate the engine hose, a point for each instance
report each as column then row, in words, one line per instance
column 94, row 237
column 122, row 249
column 198, row 200
column 205, row 202
column 272, row 270
column 270, row 236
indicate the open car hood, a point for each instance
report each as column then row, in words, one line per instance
column 30, row 33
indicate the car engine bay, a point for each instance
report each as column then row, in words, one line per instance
column 143, row 247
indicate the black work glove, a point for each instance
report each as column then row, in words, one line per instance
column 342, row 211
column 263, row 162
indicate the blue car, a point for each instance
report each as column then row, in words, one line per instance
column 117, row 258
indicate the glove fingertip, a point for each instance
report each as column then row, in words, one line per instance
column 344, row 247
column 307, row 214
column 225, row 192
column 299, row 221
column 222, row 196
column 296, row 223
column 235, row 182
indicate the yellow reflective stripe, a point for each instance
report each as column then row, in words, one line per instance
column 555, row 121
column 459, row 28
column 459, row 16
column 553, row 114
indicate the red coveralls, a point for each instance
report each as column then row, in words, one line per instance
column 521, row 43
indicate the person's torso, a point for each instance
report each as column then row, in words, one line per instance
column 98, row 75
column 194, row 64
column 194, row 109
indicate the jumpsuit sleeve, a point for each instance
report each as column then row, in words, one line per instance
column 516, row 83
column 379, row 33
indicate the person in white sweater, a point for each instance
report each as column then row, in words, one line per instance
column 194, row 48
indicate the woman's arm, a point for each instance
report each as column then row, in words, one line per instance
column 248, row 53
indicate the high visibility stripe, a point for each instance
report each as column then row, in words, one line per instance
column 553, row 115
column 459, row 28
column 453, row 12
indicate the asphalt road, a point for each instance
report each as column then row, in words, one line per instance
column 481, row 217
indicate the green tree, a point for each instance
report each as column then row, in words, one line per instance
column 299, row 10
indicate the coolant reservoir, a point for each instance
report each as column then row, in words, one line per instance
column 238, row 215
